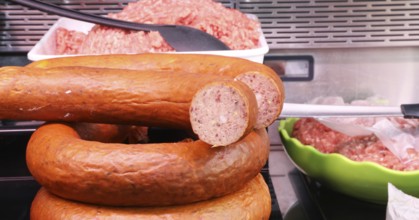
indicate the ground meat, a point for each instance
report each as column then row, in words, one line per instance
column 70, row 41
column 229, row 25
column 369, row 148
column 311, row 132
column 360, row 148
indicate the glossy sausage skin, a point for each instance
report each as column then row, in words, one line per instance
column 83, row 94
column 107, row 133
column 102, row 95
column 263, row 80
column 141, row 174
column 252, row 201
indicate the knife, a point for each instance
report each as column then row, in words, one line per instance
column 296, row 110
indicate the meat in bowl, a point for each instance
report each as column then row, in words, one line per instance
column 231, row 26
column 359, row 148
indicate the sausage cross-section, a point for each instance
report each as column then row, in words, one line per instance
column 221, row 114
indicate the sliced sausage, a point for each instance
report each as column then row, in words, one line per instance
column 223, row 107
column 119, row 96
column 263, row 80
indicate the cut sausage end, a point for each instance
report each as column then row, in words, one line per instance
column 222, row 113
column 268, row 97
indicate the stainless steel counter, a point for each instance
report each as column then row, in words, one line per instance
column 279, row 168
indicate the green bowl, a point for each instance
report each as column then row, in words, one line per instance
column 363, row 180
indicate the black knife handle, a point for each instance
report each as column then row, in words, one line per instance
column 410, row 110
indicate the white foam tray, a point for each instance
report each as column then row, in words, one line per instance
column 45, row 48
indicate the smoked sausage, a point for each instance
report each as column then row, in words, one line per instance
column 107, row 133
column 252, row 201
column 141, row 174
column 263, row 80
column 103, row 95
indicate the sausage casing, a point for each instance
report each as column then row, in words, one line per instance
column 141, row 174
column 252, row 201
column 263, row 80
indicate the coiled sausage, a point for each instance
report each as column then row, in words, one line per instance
column 264, row 81
column 148, row 98
column 252, row 201
column 141, row 174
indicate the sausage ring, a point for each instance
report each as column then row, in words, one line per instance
column 263, row 80
column 121, row 96
column 141, row 174
column 250, row 202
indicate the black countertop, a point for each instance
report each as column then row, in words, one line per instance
column 13, row 59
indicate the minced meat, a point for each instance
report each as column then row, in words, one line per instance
column 359, row 148
column 231, row 26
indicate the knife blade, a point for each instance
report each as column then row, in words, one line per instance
column 296, row 110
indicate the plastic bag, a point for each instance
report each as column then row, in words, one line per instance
column 401, row 206
column 397, row 134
